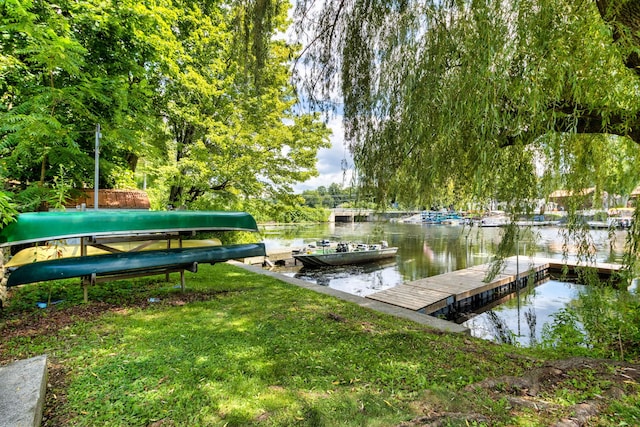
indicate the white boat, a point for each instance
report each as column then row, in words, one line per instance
column 451, row 221
column 345, row 254
column 494, row 221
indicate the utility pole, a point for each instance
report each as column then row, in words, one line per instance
column 96, row 176
column 518, row 275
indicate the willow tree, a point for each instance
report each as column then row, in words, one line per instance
column 475, row 100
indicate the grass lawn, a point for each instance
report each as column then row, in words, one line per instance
column 238, row 348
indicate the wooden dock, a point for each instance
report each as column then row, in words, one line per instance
column 458, row 289
column 274, row 256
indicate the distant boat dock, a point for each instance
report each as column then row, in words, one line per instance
column 460, row 291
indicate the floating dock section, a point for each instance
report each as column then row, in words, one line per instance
column 460, row 291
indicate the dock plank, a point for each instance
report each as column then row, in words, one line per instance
column 433, row 293
column 414, row 298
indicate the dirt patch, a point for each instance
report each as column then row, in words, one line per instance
column 447, row 419
column 55, row 397
column 534, row 391
column 51, row 320
column 47, row 322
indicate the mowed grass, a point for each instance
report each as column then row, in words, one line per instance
column 258, row 351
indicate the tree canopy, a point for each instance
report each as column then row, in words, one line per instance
column 198, row 90
column 478, row 99
column 452, row 101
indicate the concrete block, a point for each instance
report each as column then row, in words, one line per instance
column 22, row 388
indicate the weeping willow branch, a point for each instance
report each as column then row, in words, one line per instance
column 624, row 19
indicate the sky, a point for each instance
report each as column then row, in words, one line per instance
column 329, row 161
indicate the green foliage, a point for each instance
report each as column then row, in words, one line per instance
column 330, row 197
column 455, row 102
column 8, row 210
column 604, row 322
column 565, row 335
column 38, row 196
column 612, row 321
column 297, row 214
column 632, row 254
column 234, row 131
column 286, row 210
column 57, row 88
column 620, row 166
column 61, row 190
column 627, row 408
column 32, row 198
column 199, row 91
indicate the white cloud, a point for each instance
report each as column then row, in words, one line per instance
column 330, row 161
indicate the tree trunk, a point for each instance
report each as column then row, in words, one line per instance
column 132, row 161
column 175, row 195
column 624, row 19
column 43, row 168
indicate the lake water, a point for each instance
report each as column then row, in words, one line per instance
column 428, row 250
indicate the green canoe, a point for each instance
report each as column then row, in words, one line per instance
column 130, row 262
column 34, row 227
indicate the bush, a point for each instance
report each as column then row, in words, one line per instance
column 605, row 322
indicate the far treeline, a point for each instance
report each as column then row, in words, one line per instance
column 333, row 196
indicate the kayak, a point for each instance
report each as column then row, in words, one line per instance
column 130, row 262
column 57, row 249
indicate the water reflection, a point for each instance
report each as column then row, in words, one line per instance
column 359, row 280
column 436, row 249
column 430, row 250
column 523, row 323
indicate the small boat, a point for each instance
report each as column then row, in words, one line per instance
column 33, row 227
column 146, row 262
column 494, row 221
column 59, row 249
column 345, row 254
column 441, row 217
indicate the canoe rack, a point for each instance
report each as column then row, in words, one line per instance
column 107, row 231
